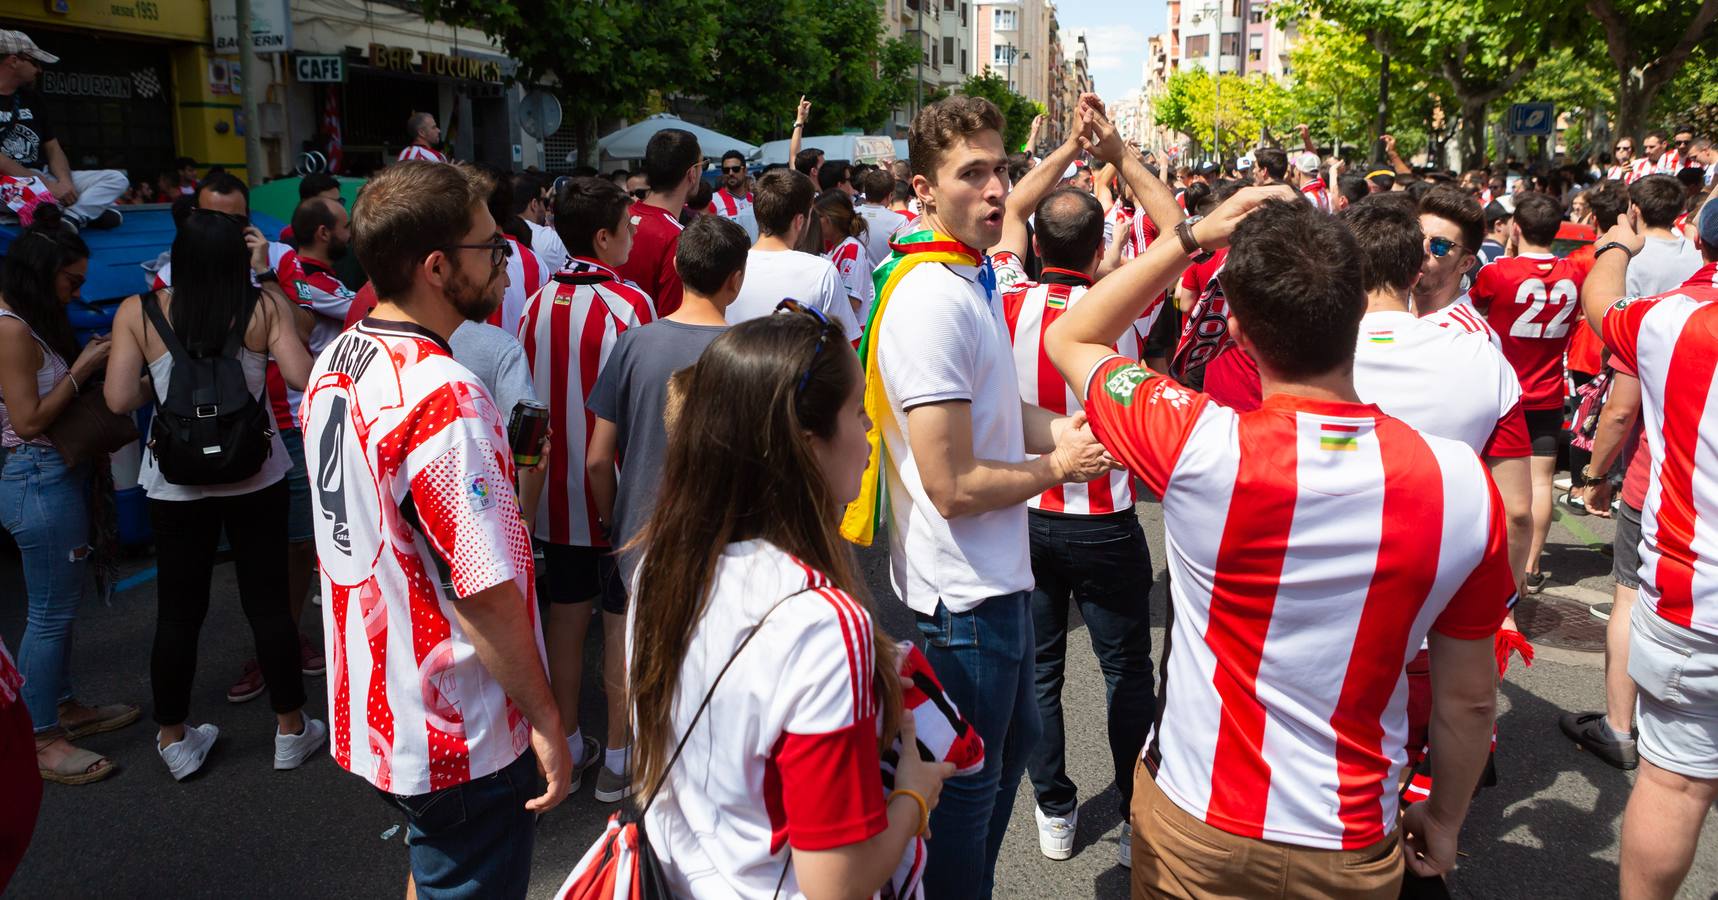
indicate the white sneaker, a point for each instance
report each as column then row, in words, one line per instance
column 1124, row 852
column 1056, row 834
column 291, row 750
column 185, row 756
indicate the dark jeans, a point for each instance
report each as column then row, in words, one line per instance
column 984, row 659
column 187, row 533
column 474, row 839
column 1103, row 564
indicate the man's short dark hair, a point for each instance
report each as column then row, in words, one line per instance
column 669, row 154
column 711, row 249
column 1273, row 161
column 734, row 154
column 877, row 185
column 834, row 172
column 416, row 123
column 312, row 213
column 902, row 193
column 805, row 163
column 316, row 183
column 586, row 206
column 1352, row 187
column 1386, row 229
column 182, row 162
column 1459, row 208
column 1293, row 282
column 223, row 183
column 1539, row 216
column 1019, row 163
column 527, row 186
column 779, row 195
column 939, row 125
column 408, row 211
column 1658, row 133
column 1659, row 198
column 1069, row 228
column 1609, row 201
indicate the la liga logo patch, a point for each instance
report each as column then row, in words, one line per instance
column 477, row 493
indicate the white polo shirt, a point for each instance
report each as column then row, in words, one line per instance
column 942, row 338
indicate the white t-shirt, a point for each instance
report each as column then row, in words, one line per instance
column 773, row 762
column 944, row 338
column 1441, row 381
column 548, row 246
column 880, row 225
column 772, row 275
column 1662, row 264
column 1462, row 316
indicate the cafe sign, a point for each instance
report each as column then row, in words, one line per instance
column 428, row 62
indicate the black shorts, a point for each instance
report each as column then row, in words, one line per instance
column 580, row 575
column 1544, row 430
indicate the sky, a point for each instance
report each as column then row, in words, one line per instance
column 1116, row 34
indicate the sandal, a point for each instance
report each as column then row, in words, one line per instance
column 77, row 767
column 97, row 719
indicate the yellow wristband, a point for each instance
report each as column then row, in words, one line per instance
column 924, row 808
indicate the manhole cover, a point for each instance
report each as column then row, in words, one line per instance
column 1559, row 622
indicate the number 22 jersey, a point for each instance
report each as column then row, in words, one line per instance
column 1533, row 302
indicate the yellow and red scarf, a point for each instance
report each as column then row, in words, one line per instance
column 859, row 525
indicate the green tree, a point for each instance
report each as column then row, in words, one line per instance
column 1335, row 90
column 609, row 57
column 1017, row 111
column 767, row 56
column 1228, row 116
column 1648, row 42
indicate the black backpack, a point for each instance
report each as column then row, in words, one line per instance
column 210, row 429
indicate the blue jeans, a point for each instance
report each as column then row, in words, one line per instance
column 44, row 505
column 984, row 659
column 1102, row 564
column 473, row 840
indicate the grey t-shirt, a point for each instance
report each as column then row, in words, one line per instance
column 497, row 359
column 632, row 392
column 1662, row 264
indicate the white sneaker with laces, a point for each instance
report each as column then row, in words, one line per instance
column 185, row 756
column 291, row 750
column 1056, row 834
column 1124, row 851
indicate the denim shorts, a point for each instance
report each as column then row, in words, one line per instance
column 473, row 840
column 299, row 528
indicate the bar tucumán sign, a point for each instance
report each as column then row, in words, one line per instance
column 427, row 62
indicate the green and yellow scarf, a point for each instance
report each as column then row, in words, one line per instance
column 859, row 525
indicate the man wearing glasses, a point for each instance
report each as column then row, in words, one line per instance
column 29, row 149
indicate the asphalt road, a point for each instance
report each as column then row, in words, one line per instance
column 240, row 829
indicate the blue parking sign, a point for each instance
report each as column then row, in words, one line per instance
column 1533, row 119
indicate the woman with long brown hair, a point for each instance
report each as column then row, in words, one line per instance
column 844, row 233
column 752, row 647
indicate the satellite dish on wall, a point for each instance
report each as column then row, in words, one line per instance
column 539, row 114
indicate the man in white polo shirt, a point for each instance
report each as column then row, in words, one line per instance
column 954, row 435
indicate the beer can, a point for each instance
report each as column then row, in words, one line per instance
column 525, row 430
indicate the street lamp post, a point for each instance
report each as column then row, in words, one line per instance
column 1008, row 64
column 1211, row 10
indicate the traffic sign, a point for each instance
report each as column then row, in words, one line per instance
column 1533, row 119
column 313, row 69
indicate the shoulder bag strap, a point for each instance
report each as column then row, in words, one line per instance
column 152, row 308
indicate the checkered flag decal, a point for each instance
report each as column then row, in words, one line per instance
column 147, row 83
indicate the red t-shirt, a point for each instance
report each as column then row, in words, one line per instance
column 651, row 265
column 1533, row 301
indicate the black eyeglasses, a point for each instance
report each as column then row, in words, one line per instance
column 791, row 305
column 732, row 169
column 1684, row 143
column 1440, row 247
column 640, row 193
column 499, row 249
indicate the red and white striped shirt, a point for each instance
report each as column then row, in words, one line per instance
column 412, row 496
column 1671, row 341
column 526, row 275
column 1312, row 545
column 1462, row 316
column 422, row 152
column 569, row 329
column 727, row 205
column 1029, row 308
column 1317, row 193
column 853, row 264
column 1624, row 174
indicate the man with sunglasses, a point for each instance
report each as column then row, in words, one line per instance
column 733, row 194
column 423, row 551
column 29, row 149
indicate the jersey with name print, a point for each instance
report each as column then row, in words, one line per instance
column 413, row 503
column 1312, row 546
